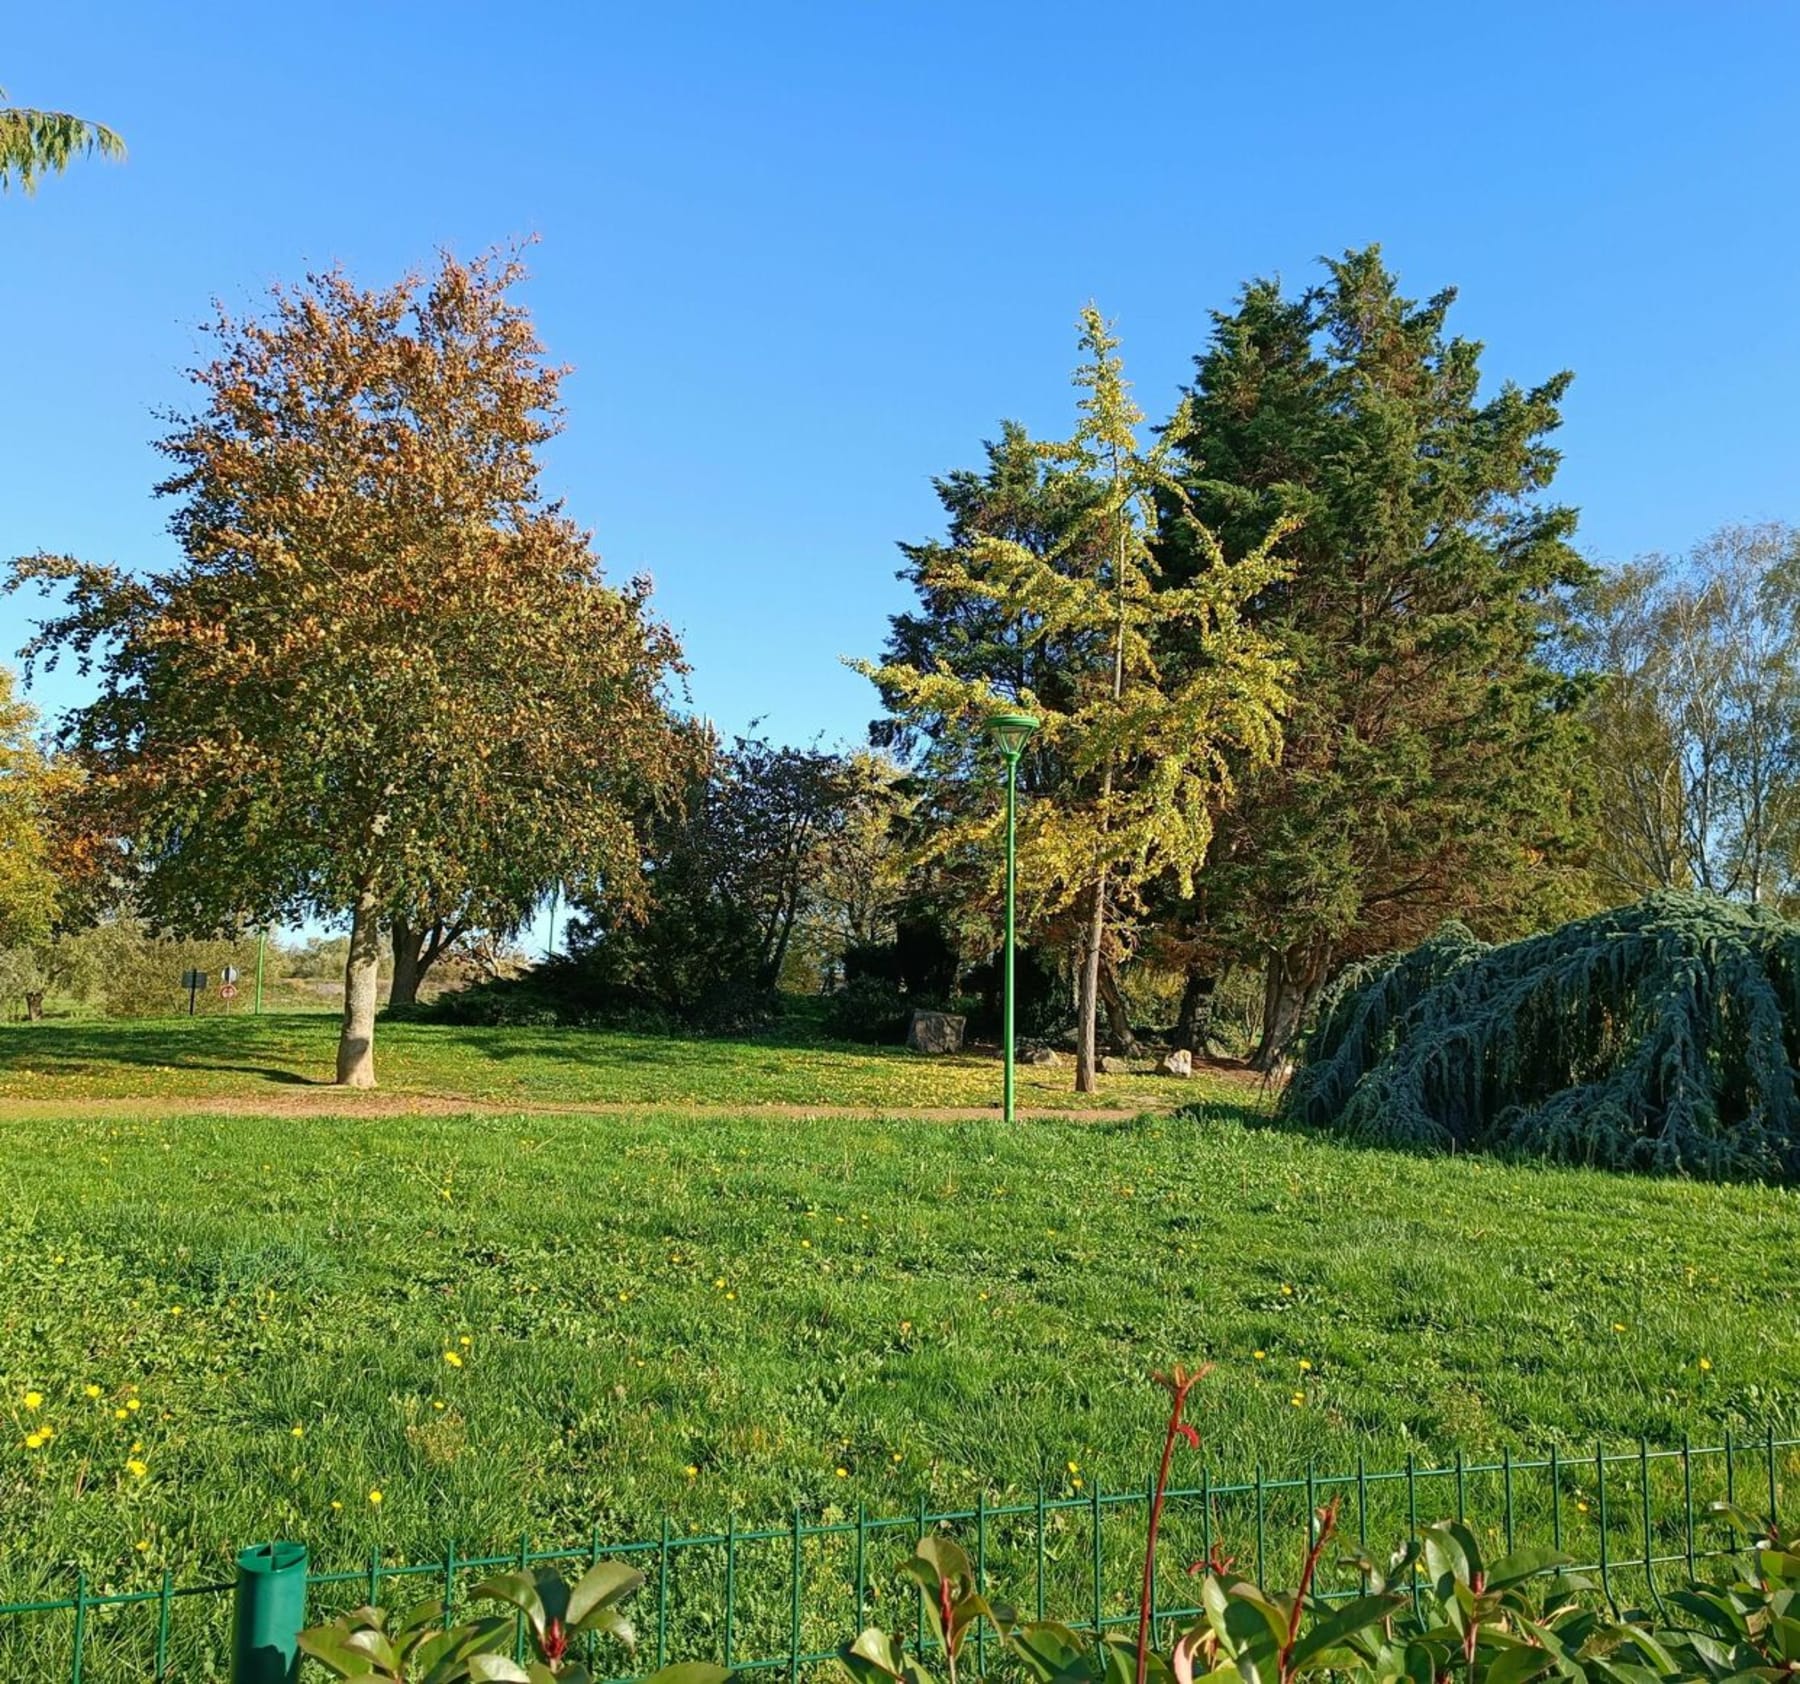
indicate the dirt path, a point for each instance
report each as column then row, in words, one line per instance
column 334, row 1102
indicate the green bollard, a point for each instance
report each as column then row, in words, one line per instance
column 269, row 1611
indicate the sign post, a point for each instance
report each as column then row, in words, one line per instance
column 193, row 982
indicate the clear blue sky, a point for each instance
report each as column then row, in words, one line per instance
column 803, row 257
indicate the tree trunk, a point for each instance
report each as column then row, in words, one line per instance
column 34, row 1005
column 1291, row 983
column 1193, row 1022
column 410, row 963
column 1118, row 1020
column 1088, row 995
column 356, row 1041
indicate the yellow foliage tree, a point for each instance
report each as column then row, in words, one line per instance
column 1159, row 689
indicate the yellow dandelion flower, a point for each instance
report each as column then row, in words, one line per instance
column 1298, row 1400
column 731, row 1298
column 1581, row 1508
column 35, row 1441
column 466, row 1342
column 375, row 1498
column 298, row 1432
column 453, row 1359
column 719, row 1284
column 899, row 1456
column 624, row 1297
column 437, row 1403
column 136, row 1469
column 1076, row 1483
column 34, row 1400
column 1618, row 1327
column 806, row 1245
column 336, row 1503
column 174, row 1309
column 133, row 1404
column 1257, row 1356
column 843, row 1473
column 1305, row 1366
column 1706, row 1365
column 142, row 1546
column 691, row 1471
column 91, row 1389
column 1286, row 1290
column 120, row 1414
column 1074, row 1467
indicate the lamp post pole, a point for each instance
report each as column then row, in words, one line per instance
column 1012, row 731
column 1012, row 884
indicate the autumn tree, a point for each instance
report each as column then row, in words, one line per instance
column 1432, row 766
column 38, row 143
column 387, row 678
column 29, row 784
column 1140, row 727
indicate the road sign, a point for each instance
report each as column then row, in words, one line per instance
column 193, row 982
column 228, row 975
column 228, row 991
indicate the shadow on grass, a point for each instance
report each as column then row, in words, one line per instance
column 216, row 1044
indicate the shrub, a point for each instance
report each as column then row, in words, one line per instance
column 1658, row 1036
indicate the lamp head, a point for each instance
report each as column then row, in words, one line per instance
column 1011, row 731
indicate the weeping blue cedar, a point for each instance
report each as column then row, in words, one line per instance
column 1658, row 1036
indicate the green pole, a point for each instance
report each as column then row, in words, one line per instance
column 1012, row 872
column 262, row 938
column 269, row 1610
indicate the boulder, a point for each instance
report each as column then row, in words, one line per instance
column 1112, row 1065
column 1036, row 1054
column 1178, row 1063
column 935, row 1032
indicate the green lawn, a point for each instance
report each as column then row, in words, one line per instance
column 265, row 1058
column 653, row 1314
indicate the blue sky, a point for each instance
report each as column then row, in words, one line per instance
column 803, row 257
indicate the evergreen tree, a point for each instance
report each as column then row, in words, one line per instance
column 1049, row 598
column 1431, row 764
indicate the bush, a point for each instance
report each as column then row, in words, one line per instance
column 1658, row 1037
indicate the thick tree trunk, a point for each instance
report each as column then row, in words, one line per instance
column 1289, row 988
column 1193, row 1022
column 1118, row 1020
column 356, row 1041
column 1087, row 999
column 410, row 963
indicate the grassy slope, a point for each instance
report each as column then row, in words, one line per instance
column 172, row 1059
column 931, row 1308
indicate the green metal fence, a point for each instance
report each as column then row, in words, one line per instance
column 781, row 1599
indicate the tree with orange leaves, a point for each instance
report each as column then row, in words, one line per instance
column 387, row 680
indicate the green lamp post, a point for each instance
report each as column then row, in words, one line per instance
column 1011, row 731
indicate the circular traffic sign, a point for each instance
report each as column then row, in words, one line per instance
column 227, row 991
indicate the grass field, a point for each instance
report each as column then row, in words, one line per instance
column 268, row 1060
column 246, row 1326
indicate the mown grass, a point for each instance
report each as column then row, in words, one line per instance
column 250, row 1057
column 651, row 1315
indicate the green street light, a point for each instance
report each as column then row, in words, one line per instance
column 1011, row 731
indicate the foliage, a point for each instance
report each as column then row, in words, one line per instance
column 29, row 784
column 1696, row 717
column 1140, row 736
column 387, row 679
column 1432, row 765
column 1435, row 1612
column 420, row 1647
column 1656, row 1036
column 38, row 143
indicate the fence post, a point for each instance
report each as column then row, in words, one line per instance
column 267, row 1613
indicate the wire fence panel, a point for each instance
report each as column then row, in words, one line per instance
column 780, row 1600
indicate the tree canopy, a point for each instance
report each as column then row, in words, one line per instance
column 387, row 678
column 1151, row 688
column 1430, row 761
column 34, row 144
